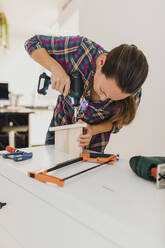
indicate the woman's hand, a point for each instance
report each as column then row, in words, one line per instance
column 60, row 80
column 85, row 138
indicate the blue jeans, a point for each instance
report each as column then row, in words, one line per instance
column 50, row 134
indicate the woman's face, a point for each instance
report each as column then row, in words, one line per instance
column 107, row 88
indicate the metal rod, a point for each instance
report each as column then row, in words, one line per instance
column 81, row 172
column 63, row 164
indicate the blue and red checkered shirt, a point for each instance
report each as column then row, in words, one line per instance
column 78, row 53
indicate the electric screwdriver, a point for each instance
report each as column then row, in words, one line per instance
column 150, row 168
column 76, row 88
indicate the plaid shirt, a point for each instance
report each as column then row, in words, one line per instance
column 78, row 53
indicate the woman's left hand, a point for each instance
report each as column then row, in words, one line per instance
column 85, row 138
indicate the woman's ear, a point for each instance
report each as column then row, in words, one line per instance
column 101, row 61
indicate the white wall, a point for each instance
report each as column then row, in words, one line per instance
column 22, row 73
column 141, row 22
column 16, row 67
column 109, row 23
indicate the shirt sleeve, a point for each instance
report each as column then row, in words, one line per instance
column 116, row 128
column 61, row 48
column 53, row 44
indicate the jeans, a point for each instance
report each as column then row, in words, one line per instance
column 50, row 134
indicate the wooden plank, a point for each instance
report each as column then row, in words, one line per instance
column 73, row 147
column 66, row 138
column 61, row 140
column 77, row 125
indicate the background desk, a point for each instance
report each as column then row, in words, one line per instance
column 109, row 208
column 14, row 127
column 24, row 127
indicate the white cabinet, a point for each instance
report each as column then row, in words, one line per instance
column 31, row 222
column 38, row 125
column 109, row 207
column 7, row 240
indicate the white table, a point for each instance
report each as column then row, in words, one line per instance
column 108, row 207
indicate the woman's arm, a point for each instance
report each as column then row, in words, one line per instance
column 91, row 130
column 59, row 79
column 102, row 127
column 53, row 53
column 42, row 57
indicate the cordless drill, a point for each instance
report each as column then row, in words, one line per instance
column 150, row 168
column 76, row 88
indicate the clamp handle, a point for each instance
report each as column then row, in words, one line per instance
column 23, row 156
column 12, row 154
column 100, row 157
column 18, row 156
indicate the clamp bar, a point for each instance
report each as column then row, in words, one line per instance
column 66, row 163
column 81, row 172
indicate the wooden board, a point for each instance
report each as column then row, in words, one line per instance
column 66, row 138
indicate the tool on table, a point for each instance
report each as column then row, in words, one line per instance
column 2, row 204
column 150, row 168
column 16, row 155
column 91, row 157
column 11, row 149
column 76, row 88
column 1, row 153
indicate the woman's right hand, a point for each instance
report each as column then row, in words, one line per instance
column 60, row 80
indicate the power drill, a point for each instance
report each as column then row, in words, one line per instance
column 76, row 88
column 150, row 168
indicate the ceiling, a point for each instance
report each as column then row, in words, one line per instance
column 32, row 16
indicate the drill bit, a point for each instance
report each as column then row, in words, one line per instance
column 75, row 114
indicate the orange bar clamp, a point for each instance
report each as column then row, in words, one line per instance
column 91, row 157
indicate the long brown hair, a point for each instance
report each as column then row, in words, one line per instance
column 128, row 66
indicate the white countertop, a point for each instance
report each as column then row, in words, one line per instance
column 111, row 200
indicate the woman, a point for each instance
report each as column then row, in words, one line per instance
column 112, row 82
